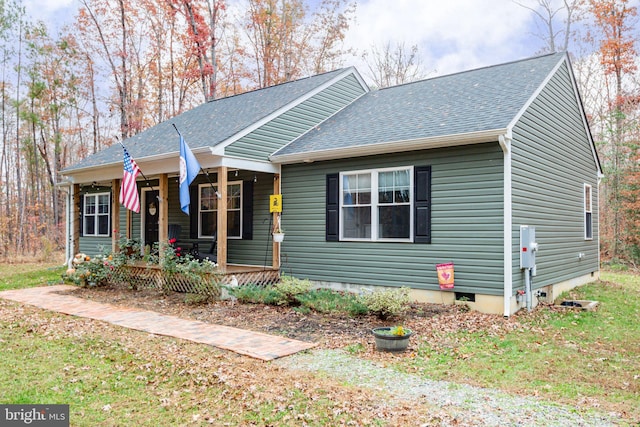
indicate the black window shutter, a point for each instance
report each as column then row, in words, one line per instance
column 247, row 210
column 422, row 204
column 332, row 224
column 193, row 212
column 111, row 199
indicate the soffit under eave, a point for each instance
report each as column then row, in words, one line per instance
column 470, row 138
column 170, row 166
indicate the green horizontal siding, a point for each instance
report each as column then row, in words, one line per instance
column 467, row 211
column 94, row 245
column 262, row 142
column 256, row 251
column 552, row 160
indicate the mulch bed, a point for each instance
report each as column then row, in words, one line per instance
column 431, row 322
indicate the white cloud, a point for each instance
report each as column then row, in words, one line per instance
column 451, row 35
column 53, row 12
column 46, row 6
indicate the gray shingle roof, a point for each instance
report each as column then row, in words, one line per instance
column 472, row 101
column 208, row 124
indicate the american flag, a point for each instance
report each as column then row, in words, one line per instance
column 128, row 190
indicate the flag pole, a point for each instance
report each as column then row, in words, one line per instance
column 141, row 173
column 201, row 169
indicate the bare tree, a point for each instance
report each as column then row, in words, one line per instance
column 618, row 55
column 393, row 65
column 287, row 41
column 330, row 22
column 556, row 21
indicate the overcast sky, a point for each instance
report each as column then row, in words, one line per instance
column 452, row 35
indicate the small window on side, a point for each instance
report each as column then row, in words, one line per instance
column 588, row 219
column 96, row 214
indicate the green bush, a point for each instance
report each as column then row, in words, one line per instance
column 295, row 292
column 254, row 294
column 328, row 301
column 386, row 303
column 289, row 288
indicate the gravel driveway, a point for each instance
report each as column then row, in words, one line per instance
column 466, row 405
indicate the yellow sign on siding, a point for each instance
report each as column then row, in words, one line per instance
column 275, row 203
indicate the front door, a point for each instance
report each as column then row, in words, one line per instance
column 151, row 214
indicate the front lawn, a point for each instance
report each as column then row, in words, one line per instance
column 564, row 355
column 27, row 275
column 114, row 376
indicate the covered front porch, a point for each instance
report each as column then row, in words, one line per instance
column 241, row 258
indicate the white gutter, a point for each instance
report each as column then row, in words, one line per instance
column 505, row 144
column 391, row 147
column 67, row 188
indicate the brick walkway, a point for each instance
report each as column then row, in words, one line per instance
column 254, row 344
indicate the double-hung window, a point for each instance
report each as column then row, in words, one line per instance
column 377, row 204
column 97, row 214
column 208, row 210
column 588, row 220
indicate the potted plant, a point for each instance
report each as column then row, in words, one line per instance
column 278, row 234
column 394, row 339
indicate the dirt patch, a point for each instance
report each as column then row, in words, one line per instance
column 429, row 321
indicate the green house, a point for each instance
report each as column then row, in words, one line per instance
column 378, row 187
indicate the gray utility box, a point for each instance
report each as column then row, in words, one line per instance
column 528, row 247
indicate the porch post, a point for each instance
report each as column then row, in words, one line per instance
column 77, row 220
column 276, row 246
column 163, row 210
column 128, row 232
column 115, row 214
column 222, row 219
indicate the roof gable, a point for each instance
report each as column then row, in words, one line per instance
column 211, row 123
column 281, row 129
column 555, row 115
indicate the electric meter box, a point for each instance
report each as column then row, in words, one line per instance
column 528, row 247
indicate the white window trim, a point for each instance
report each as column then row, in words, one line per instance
column 215, row 185
column 585, row 211
column 143, row 202
column 94, row 216
column 374, row 205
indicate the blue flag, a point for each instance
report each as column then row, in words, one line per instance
column 189, row 168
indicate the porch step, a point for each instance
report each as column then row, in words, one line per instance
column 254, row 344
